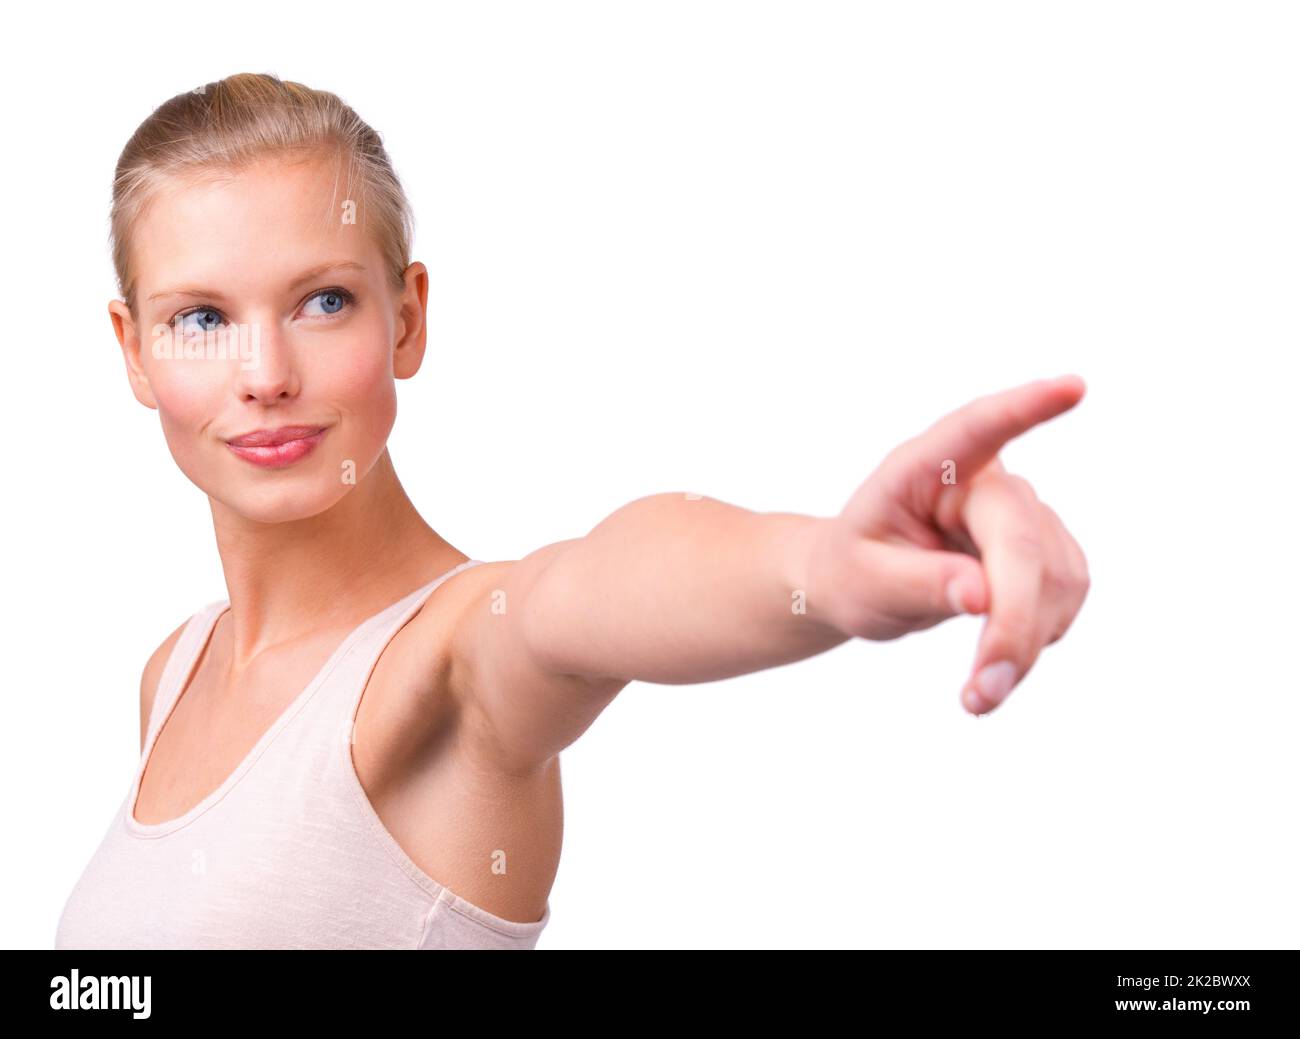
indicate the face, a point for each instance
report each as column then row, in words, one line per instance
column 266, row 315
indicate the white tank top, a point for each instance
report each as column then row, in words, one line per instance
column 288, row 852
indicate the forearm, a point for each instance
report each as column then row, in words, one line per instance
column 674, row 589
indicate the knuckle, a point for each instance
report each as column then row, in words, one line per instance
column 1016, row 624
column 1076, row 577
column 1058, row 582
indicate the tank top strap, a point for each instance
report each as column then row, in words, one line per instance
column 336, row 689
column 371, row 643
column 181, row 660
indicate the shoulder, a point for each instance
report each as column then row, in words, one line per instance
column 504, row 701
column 442, row 631
column 484, row 591
column 152, row 674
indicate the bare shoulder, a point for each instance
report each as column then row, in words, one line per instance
column 420, row 693
column 149, row 680
column 513, row 711
column 440, row 633
column 486, row 589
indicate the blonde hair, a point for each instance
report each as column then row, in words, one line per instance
column 226, row 126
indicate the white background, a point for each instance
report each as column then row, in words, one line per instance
column 744, row 250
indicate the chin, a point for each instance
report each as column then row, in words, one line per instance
column 282, row 504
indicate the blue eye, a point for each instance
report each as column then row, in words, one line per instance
column 332, row 300
column 210, row 320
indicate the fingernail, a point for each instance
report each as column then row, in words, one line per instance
column 954, row 596
column 994, row 682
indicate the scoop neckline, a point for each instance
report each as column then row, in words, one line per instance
column 160, row 829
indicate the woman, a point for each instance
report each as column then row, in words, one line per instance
column 372, row 708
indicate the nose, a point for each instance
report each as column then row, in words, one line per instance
column 268, row 370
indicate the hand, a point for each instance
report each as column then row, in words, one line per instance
column 941, row 528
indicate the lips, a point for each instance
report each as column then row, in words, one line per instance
column 276, row 448
column 273, row 437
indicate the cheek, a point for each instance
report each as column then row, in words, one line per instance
column 189, row 392
column 361, row 374
column 185, row 379
column 360, row 383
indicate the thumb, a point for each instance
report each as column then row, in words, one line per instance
column 920, row 587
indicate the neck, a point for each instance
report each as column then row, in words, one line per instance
column 333, row 569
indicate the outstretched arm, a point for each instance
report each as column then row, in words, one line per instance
column 670, row 588
column 677, row 588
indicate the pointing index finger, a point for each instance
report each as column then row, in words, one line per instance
column 973, row 435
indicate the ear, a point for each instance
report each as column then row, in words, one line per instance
column 408, row 350
column 128, row 337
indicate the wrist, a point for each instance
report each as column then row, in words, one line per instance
column 799, row 548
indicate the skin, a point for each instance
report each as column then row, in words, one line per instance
column 461, row 724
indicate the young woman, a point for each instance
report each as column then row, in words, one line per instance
column 359, row 747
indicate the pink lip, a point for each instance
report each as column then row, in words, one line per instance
column 276, row 448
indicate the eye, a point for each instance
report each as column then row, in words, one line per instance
column 332, row 302
column 208, row 320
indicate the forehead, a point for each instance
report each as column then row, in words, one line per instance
column 258, row 225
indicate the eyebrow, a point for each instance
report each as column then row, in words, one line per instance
column 305, row 276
